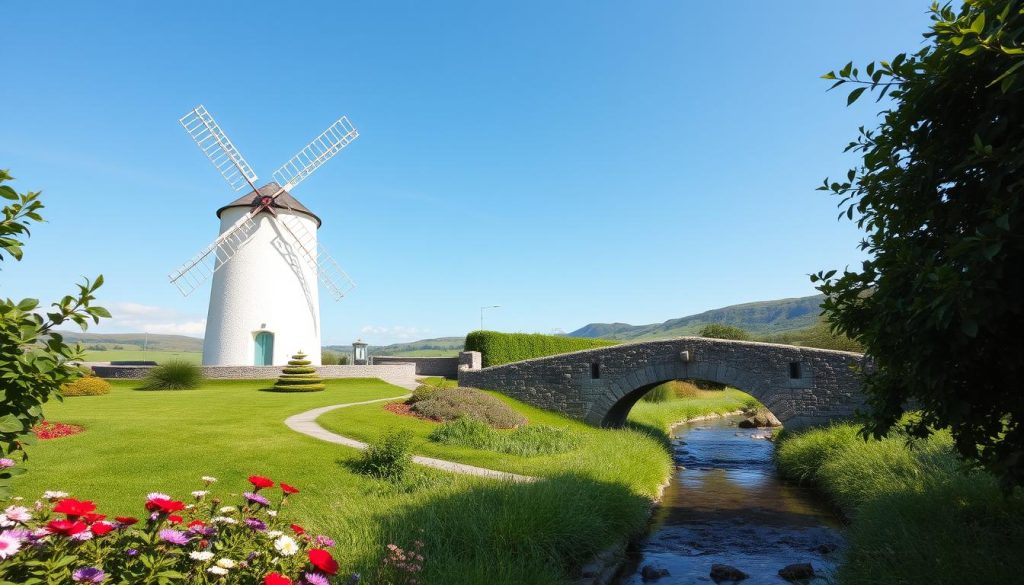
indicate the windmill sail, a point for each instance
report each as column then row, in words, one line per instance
column 201, row 267
column 337, row 136
column 328, row 272
column 215, row 144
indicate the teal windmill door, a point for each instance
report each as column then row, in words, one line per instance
column 264, row 349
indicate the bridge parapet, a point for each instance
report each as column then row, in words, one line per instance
column 802, row 386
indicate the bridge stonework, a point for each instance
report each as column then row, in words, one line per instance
column 801, row 386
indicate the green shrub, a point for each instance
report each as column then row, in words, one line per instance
column 91, row 386
column 422, row 392
column 86, row 370
column 387, row 458
column 501, row 348
column 298, row 376
column 173, row 375
column 660, row 393
column 333, row 358
column 722, row 331
column 446, row 404
column 525, row 441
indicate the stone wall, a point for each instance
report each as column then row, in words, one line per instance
column 267, row 372
column 802, row 386
column 425, row 366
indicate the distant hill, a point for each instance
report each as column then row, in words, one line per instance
column 760, row 318
column 129, row 341
column 440, row 346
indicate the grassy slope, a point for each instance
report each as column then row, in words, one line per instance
column 476, row 530
column 139, row 355
column 917, row 515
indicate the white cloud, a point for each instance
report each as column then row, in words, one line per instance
column 129, row 317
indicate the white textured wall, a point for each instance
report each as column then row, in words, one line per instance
column 267, row 286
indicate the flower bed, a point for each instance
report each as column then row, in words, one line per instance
column 403, row 409
column 64, row 540
column 46, row 430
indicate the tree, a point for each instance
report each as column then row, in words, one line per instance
column 722, row 331
column 33, row 358
column 939, row 304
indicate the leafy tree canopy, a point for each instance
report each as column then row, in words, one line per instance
column 33, row 358
column 939, row 303
column 722, row 331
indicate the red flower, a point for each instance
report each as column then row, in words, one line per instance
column 288, row 489
column 196, row 523
column 126, row 520
column 90, row 518
column 258, row 481
column 164, row 505
column 101, row 528
column 73, row 507
column 174, row 518
column 66, row 527
column 204, row 543
column 323, row 560
column 298, row 529
column 276, row 579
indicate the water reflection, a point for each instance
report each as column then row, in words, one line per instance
column 726, row 505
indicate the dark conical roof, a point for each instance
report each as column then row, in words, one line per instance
column 283, row 201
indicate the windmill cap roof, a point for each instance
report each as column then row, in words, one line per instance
column 283, row 201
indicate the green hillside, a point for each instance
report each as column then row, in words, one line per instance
column 439, row 347
column 760, row 318
column 134, row 341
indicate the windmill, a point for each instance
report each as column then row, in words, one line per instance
column 265, row 264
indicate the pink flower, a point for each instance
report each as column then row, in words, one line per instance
column 9, row 544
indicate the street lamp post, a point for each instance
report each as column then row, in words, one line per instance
column 482, row 314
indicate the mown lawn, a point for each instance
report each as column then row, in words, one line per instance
column 475, row 530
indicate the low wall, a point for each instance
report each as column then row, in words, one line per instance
column 404, row 370
column 425, row 366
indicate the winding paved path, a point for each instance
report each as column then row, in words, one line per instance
column 305, row 423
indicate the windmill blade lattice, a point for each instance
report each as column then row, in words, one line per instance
column 215, row 144
column 337, row 136
column 328, row 272
column 192, row 274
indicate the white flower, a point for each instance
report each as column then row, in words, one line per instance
column 18, row 513
column 228, row 510
column 209, row 479
column 9, row 544
column 272, row 513
column 54, row 495
column 273, row 533
column 157, row 496
column 286, row 545
column 82, row 536
column 223, row 520
column 6, row 522
column 201, row 555
column 217, row 571
column 199, row 494
column 226, row 563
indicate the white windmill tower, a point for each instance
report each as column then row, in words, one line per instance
column 265, row 264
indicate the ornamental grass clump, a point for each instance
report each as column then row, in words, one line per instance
column 388, row 458
column 525, row 441
column 173, row 375
column 90, row 386
column 64, row 540
column 299, row 376
column 447, row 404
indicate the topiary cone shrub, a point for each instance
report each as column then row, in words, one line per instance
column 299, row 376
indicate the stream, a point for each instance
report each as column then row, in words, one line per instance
column 727, row 505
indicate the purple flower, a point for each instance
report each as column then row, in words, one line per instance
column 255, row 524
column 173, row 536
column 6, row 462
column 89, row 575
column 256, row 498
column 316, row 579
column 132, row 552
column 203, row 530
column 324, row 540
column 354, row 579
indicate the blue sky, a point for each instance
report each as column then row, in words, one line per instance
column 571, row 161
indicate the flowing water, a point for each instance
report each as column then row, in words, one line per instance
column 727, row 505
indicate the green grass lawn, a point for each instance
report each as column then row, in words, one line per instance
column 192, row 357
column 476, row 530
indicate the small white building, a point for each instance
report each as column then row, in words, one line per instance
column 264, row 302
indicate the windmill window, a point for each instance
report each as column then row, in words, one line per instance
column 794, row 370
column 595, row 370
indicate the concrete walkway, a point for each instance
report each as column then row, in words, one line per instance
column 305, row 423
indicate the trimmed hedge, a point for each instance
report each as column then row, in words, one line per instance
column 298, row 376
column 502, row 348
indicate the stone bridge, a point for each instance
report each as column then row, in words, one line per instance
column 801, row 386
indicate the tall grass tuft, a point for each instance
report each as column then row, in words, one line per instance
column 388, row 458
column 174, row 375
column 660, row 393
column 525, row 441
